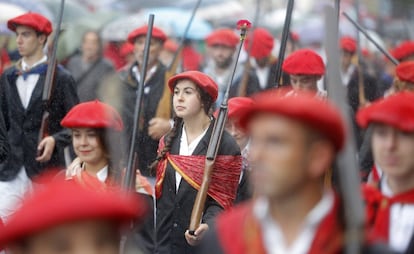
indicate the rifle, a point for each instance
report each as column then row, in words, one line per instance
column 215, row 140
column 346, row 161
column 49, row 81
column 285, row 37
column 129, row 180
column 362, row 30
column 245, row 78
column 164, row 105
column 361, row 90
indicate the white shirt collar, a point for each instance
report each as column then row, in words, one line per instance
column 273, row 238
column 102, row 174
column 26, row 67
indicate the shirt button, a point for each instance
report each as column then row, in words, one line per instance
column 175, row 225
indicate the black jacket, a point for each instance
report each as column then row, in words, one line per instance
column 174, row 209
column 154, row 87
column 23, row 125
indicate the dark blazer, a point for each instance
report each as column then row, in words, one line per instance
column 174, row 209
column 23, row 125
column 154, row 87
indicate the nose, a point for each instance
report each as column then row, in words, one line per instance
column 83, row 140
column 392, row 140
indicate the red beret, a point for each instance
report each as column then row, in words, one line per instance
column 396, row 110
column 157, row 33
column 126, row 49
column 405, row 49
column 304, row 62
column 262, row 43
column 36, row 21
column 405, row 71
column 236, row 105
column 348, row 44
column 294, row 36
column 200, row 79
column 304, row 107
column 93, row 114
column 61, row 202
column 223, row 36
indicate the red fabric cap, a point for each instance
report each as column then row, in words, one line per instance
column 404, row 50
column 157, row 33
column 200, row 79
column 348, row 44
column 34, row 20
column 405, row 71
column 235, row 106
column 304, row 62
column 223, row 36
column 170, row 45
column 396, row 110
column 304, row 107
column 93, row 114
column 61, row 202
column 294, row 36
column 126, row 49
column 262, row 43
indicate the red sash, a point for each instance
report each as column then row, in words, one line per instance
column 378, row 207
column 239, row 232
column 224, row 180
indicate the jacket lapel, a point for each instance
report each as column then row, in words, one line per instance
column 37, row 92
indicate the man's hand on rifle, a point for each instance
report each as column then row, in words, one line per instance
column 195, row 239
column 45, row 149
column 158, row 127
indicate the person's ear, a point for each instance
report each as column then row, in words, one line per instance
column 321, row 156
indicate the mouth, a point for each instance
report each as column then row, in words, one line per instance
column 180, row 108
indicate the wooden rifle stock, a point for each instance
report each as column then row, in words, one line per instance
column 49, row 84
column 285, row 37
column 130, row 175
column 214, row 144
column 164, row 105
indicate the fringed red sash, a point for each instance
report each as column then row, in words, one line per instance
column 224, row 180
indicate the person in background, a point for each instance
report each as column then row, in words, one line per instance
column 127, row 52
column 390, row 200
column 89, row 68
column 22, row 106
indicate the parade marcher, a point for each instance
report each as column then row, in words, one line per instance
column 221, row 48
column 151, row 129
column 64, row 217
column 390, row 201
column 235, row 107
column 350, row 75
column 260, row 43
column 404, row 78
column 305, row 68
column 293, row 141
column 89, row 68
column 95, row 129
column 181, row 165
column 21, row 89
column 127, row 52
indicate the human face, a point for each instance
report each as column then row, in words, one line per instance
column 90, row 46
column 237, row 133
column 393, row 150
column 277, row 155
column 304, row 82
column 89, row 148
column 92, row 237
column 222, row 55
column 29, row 44
column 154, row 51
column 186, row 100
column 346, row 60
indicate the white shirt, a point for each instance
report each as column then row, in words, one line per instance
column 186, row 150
column 26, row 87
column 346, row 76
column 149, row 74
column 274, row 241
column 401, row 221
column 263, row 75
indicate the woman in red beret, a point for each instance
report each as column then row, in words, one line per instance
column 181, row 165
